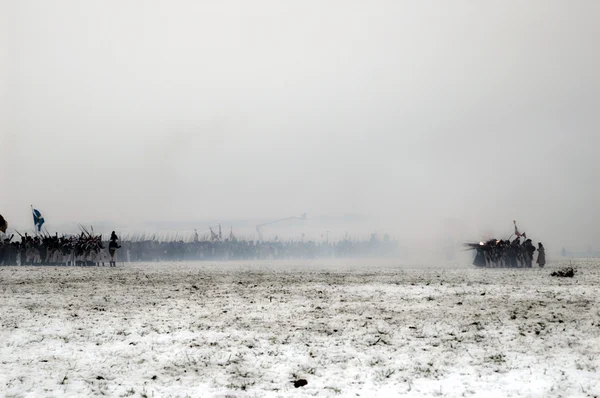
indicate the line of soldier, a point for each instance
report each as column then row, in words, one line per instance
column 504, row 253
column 88, row 249
column 153, row 250
column 85, row 249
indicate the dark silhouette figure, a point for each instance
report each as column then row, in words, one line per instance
column 112, row 248
column 541, row 260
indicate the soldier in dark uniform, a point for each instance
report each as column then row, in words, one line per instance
column 23, row 249
column 112, row 248
column 479, row 260
column 3, row 249
column 541, row 260
column 11, row 253
column 529, row 250
column 515, row 248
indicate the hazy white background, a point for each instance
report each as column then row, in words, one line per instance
column 422, row 116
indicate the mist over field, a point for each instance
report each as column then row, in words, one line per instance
column 292, row 199
column 426, row 122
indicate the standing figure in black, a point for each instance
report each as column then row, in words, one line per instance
column 541, row 260
column 529, row 250
column 112, row 248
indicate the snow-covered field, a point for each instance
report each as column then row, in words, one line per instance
column 348, row 328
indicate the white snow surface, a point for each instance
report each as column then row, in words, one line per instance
column 350, row 328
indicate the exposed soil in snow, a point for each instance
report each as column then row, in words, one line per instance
column 347, row 329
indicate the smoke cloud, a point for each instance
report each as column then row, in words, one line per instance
column 429, row 121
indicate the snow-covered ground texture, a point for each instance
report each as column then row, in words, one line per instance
column 249, row 330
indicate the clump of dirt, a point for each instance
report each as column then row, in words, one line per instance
column 567, row 272
column 300, row 383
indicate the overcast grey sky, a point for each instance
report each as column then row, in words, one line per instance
column 411, row 112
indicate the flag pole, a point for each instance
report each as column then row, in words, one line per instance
column 32, row 215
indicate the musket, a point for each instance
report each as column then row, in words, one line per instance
column 84, row 230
